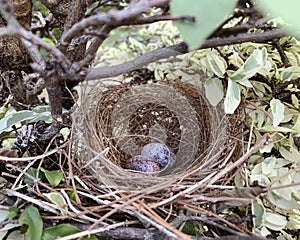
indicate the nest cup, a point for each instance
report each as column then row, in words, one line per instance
column 114, row 122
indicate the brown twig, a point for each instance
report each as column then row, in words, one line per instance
column 112, row 18
column 152, row 19
column 178, row 49
column 44, row 205
column 284, row 58
column 150, row 213
column 264, row 140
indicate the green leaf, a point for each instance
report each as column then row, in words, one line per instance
column 297, row 124
column 15, row 118
column 270, row 128
column 289, row 11
column 209, row 15
column 13, row 212
column 268, row 165
column 281, row 202
column 52, row 233
column 214, row 91
column 217, row 64
column 277, row 109
column 246, row 83
column 290, row 73
column 275, row 221
column 59, row 201
column 42, row 109
column 9, row 226
column 267, row 148
column 54, row 177
column 33, row 172
column 252, row 65
column 49, row 41
column 264, row 232
column 233, row 97
column 260, row 178
column 295, row 101
column 17, row 234
column 136, row 45
column 4, row 215
column 3, row 111
column 292, row 154
column 258, row 210
column 65, row 132
column 31, row 217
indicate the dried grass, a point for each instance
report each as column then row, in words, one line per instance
column 115, row 121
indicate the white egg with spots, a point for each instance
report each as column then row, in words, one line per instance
column 161, row 153
column 142, row 164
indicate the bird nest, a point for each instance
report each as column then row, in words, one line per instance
column 114, row 122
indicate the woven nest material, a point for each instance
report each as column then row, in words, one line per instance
column 116, row 121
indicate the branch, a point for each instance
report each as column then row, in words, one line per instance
column 242, row 38
column 284, row 58
column 181, row 48
column 133, row 233
column 59, row 56
column 139, row 62
column 113, row 18
column 152, row 19
column 130, row 233
column 14, row 28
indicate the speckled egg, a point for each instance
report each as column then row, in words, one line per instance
column 160, row 152
column 142, row 164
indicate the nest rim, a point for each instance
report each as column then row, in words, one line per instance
column 114, row 175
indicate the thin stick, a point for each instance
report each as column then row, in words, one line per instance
column 150, row 213
column 44, row 205
column 269, row 186
column 194, row 186
column 240, row 161
column 71, row 174
column 250, row 136
column 283, row 186
column 22, row 173
column 80, row 215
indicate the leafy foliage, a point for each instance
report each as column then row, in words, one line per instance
column 59, row 201
column 9, row 119
column 31, row 217
column 54, row 177
column 214, row 90
column 60, row 230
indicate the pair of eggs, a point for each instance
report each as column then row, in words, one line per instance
column 153, row 158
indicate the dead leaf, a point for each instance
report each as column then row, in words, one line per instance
column 8, row 153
